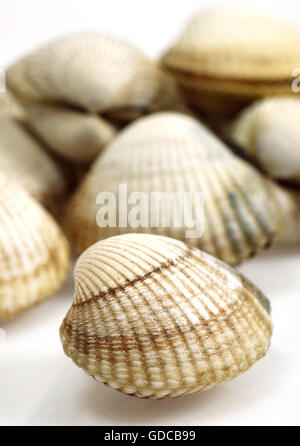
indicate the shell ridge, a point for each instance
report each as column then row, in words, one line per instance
column 163, row 330
column 212, row 239
column 139, row 343
column 192, row 330
column 220, row 215
column 219, row 322
column 240, row 242
column 258, row 215
column 179, row 363
column 131, row 283
column 150, row 334
column 250, row 227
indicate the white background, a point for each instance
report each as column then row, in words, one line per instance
column 38, row 384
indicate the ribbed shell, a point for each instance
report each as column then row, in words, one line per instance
column 153, row 318
column 27, row 163
column 227, row 96
column 74, row 135
column 34, row 254
column 230, row 55
column 171, row 152
column 236, row 41
column 223, row 95
column 269, row 131
column 93, row 71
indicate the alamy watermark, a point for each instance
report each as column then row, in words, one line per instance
column 296, row 81
column 152, row 210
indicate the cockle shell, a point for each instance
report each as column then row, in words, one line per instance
column 92, row 71
column 237, row 41
column 171, row 152
column 72, row 134
column 154, row 318
column 34, row 254
column 269, row 131
column 234, row 53
column 27, row 163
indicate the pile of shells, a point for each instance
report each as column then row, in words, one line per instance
column 157, row 311
column 78, row 90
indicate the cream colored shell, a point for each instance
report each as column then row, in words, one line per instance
column 269, row 131
column 72, row 134
column 34, row 254
column 27, row 163
column 171, row 152
column 153, row 318
column 230, row 55
column 236, row 41
column 67, row 83
column 96, row 72
column 9, row 106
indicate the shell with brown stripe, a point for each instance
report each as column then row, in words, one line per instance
column 154, row 318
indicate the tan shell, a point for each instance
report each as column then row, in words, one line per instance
column 171, row 152
column 227, row 96
column 289, row 212
column 269, row 131
column 34, row 254
column 93, row 71
column 230, row 55
column 76, row 136
column 237, row 42
column 27, row 163
column 10, row 107
column 153, row 318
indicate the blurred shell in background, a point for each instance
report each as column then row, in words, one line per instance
column 153, row 318
column 34, row 254
column 72, row 134
column 171, row 152
column 27, row 163
column 95, row 73
column 10, row 107
column 269, row 131
column 288, row 200
column 231, row 54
